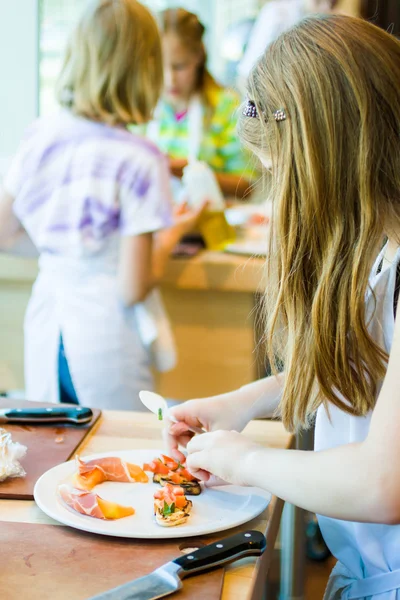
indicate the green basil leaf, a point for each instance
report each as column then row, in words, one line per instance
column 168, row 509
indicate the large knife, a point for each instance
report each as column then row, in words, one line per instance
column 168, row 578
column 54, row 414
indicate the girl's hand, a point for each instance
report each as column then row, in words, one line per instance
column 186, row 218
column 176, row 166
column 221, row 455
column 219, row 412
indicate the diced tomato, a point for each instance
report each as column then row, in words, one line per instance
column 180, row 502
column 156, row 466
column 169, row 492
column 185, row 473
column 174, row 477
column 170, row 462
column 174, row 490
column 180, row 476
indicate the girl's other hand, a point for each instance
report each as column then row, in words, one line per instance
column 220, row 455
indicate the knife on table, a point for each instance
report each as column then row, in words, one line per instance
column 168, row 578
column 54, row 414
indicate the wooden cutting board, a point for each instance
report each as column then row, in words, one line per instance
column 50, row 562
column 48, row 445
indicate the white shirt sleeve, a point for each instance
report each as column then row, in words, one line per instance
column 16, row 173
column 13, row 178
column 146, row 198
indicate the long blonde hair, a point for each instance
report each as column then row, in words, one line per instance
column 336, row 191
column 190, row 32
column 112, row 70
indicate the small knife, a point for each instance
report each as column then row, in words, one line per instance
column 168, row 578
column 54, row 414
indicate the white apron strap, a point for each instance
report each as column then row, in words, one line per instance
column 195, row 128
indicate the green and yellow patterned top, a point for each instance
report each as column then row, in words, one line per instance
column 220, row 147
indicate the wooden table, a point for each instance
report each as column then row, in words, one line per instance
column 244, row 579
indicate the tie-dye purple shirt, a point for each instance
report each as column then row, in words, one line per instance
column 78, row 185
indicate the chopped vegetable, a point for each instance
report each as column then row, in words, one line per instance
column 160, row 415
column 168, row 509
column 171, row 507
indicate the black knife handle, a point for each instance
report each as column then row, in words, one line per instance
column 54, row 414
column 248, row 543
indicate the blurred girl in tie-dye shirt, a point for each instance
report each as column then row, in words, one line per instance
column 95, row 200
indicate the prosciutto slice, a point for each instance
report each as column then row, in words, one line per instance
column 91, row 505
column 109, row 468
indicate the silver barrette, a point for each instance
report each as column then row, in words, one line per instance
column 250, row 110
column 280, row 115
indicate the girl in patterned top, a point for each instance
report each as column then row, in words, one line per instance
column 189, row 88
column 95, row 200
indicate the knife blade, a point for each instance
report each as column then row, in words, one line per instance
column 54, row 414
column 168, row 578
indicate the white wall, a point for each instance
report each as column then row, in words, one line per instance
column 19, row 60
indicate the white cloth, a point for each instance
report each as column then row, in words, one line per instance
column 275, row 17
column 368, row 554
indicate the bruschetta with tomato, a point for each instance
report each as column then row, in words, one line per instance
column 171, row 507
column 166, row 470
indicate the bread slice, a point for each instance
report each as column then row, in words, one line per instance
column 192, row 488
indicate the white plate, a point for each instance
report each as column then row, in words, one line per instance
column 240, row 214
column 214, row 510
column 248, row 248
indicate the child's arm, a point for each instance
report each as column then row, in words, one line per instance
column 9, row 224
column 357, row 482
column 143, row 258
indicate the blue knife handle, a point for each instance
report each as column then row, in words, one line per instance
column 248, row 543
column 56, row 414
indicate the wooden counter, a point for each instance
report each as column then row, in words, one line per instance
column 245, row 579
column 211, row 300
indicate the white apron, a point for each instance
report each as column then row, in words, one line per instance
column 368, row 554
column 110, row 349
column 195, row 116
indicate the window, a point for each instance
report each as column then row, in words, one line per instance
column 57, row 17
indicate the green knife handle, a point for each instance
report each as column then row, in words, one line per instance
column 57, row 413
column 248, row 543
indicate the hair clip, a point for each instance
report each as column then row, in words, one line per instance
column 250, row 110
column 280, row 115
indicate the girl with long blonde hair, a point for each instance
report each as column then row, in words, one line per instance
column 324, row 114
column 95, row 200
